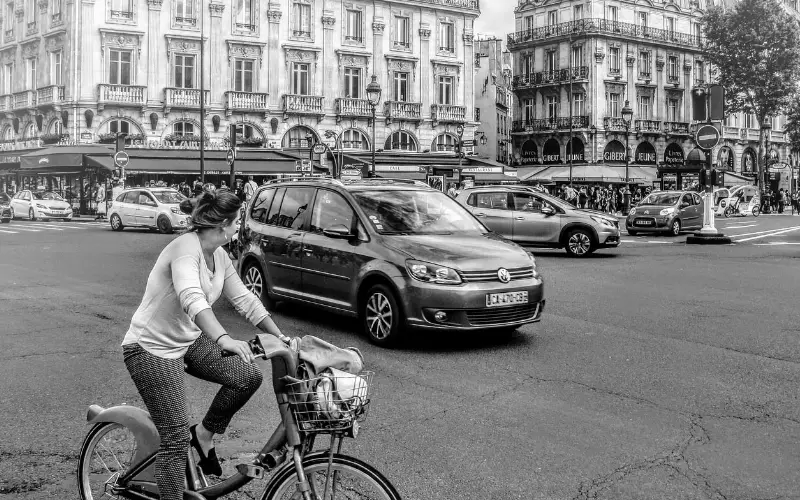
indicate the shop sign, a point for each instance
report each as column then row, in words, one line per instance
column 551, row 152
column 483, row 170
column 576, row 155
column 86, row 136
column 398, row 168
column 748, row 162
column 9, row 159
column 673, row 154
column 511, row 173
column 645, row 154
column 529, row 153
column 614, row 152
column 725, row 159
column 773, row 156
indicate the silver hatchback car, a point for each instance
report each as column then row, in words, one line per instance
column 535, row 219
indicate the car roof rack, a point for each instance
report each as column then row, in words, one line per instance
column 383, row 180
column 304, row 178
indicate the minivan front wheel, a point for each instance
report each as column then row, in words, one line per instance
column 579, row 243
column 255, row 281
column 381, row 316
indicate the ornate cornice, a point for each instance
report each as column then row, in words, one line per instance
column 216, row 9
column 378, row 26
column 353, row 58
column 328, row 21
column 121, row 38
column 154, row 4
column 273, row 16
column 248, row 50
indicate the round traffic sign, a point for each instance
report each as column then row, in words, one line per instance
column 121, row 159
column 707, row 137
column 318, row 148
column 230, row 156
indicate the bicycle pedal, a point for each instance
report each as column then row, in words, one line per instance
column 251, row 471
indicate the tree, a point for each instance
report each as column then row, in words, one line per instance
column 755, row 47
column 792, row 127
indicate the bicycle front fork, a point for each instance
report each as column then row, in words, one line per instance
column 302, row 481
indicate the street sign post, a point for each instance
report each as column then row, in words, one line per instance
column 319, row 148
column 121, row 159
column 707, row 137
column 230, row 156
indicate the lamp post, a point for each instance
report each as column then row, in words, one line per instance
column 592, row 132
column 459, row 152
column 310, row 139
column 202, row 98
column 627, row 116
column 374, row 97
column 337, row 155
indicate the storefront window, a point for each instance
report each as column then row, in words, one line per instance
column 297, row 137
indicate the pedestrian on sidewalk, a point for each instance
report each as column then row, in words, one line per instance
column 781, row 200
column 250, row 188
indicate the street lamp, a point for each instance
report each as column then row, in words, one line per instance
column 374, row 97
column 310, row 139
column 627, row 116
column 460, row 133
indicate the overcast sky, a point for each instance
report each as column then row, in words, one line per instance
column 497, row 17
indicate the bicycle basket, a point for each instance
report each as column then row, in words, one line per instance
column 332, row 401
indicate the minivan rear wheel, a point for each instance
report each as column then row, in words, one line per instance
column 579, row 243
column 381, row 316
column 255, row 280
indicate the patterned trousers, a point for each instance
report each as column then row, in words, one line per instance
column 160, row 382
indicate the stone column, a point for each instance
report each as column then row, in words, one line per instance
column 217, row 67
column 328, row 85
column 378, row 28
column 86, row 71
column 425, row 85
column 155, row 56
column 468, row 93
column 274, row 56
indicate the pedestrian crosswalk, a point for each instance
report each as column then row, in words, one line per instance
column 31, row 227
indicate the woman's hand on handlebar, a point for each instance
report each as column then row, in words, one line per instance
column 237, row 348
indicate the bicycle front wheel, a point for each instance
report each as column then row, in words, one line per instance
column 349, row 479
column 107, row 452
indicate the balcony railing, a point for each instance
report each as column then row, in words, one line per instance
column 122, row 14
column 403, row 111
column 191, row 21
column 401, row 43
column 677, row 128
column 550, row 77
column 346, row 106
column 25, row 99
column 648, row 126
column 50, row 95
column 183, row 98
column 354, row 38
column 597, row 26
column 613, row 123
column 301, row 33
column 303, row 104
column 776, row 135
column 132, row 95
column 448, row 113
column 549, row 124
column 673, row 79
column 245, row 26
column 5, row 102
column 645, row 75
column 461, row 4
column 731, row 132
column 256, row 102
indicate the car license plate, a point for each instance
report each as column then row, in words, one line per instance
column 506, row 299
column 644, row 223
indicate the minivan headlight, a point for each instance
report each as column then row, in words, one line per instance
column 432, row 273
column 667, row 211
column 603, row 221
column 175, row 210
column 533, row 264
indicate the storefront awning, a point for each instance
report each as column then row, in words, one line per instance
column 591, row 173
column 414, row 176
column 100, row 162
column 59, row 159
column 495, row 177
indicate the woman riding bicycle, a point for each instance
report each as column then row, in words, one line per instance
column 175, row 325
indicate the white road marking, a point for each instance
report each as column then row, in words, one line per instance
column 9, row 232
column 739, row 227
column 42, row 226
column 761, row 232
column 23, row 228
column 774, row 243
column 771, row 234
column 646, row 241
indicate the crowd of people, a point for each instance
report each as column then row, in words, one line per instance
column 244, row 190
column 777, row 202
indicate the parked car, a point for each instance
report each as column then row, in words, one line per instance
column 396, row 254
column 6, row 213
column 43, row 205
column 666, row 212
column 535, row 219
column 155, row 208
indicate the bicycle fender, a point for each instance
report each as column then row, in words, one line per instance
column 135, row 419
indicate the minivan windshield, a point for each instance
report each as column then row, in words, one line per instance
column 169, row 197
column 661, row 199
column 416, row 212
column 48, row 195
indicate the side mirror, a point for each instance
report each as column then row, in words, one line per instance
column 548, row 211
column 337, row 231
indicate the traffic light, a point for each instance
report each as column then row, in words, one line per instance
column 699, row 105
column 703, row 177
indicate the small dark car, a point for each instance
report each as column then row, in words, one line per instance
column 396, row 254
column 6, row 214
column 666, row 212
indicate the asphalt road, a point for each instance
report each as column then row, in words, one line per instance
column 660, row 370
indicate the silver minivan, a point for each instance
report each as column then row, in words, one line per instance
column 535, row 219
column 155, row 208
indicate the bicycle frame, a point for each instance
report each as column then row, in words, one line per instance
column 142, row 472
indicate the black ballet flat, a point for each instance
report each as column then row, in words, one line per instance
column 208, row 464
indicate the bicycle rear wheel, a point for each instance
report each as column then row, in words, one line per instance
column 107, row 452
column 350, row 479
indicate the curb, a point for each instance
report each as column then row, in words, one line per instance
column 88, row 219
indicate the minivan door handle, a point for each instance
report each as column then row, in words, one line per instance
column 480, row 214
column 308, row 250
column 519, row 218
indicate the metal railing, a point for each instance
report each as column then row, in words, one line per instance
column 596, row 25
column 462, row 4
column 256, row 101
column 648, row 125
column 645, row 75
column 613, row 123
column 246, row 26
column 303, row 104
column 133, row 94
column 354, row 38
column 184, row 98
column 25, row 99
column 552, row 123
column 301, row 33
column 401, row 43
column 448, row 113
column 185, row 20
column 676, row 127
column 401, row 110
column 346, row 106
column 732, row 132
column 51, row 94
column 550, row 77
column 123, row 14
column 5, row 102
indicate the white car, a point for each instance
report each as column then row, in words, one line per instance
column 155, row 208
column 725, row 196
column 43, row 205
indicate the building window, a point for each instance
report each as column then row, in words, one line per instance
column 245, row 18
column 672, row 68
column 644, row 65
column 183, row 128
column 246, row 131
column 732, row 120
column 30, row 73
column 353, row 28
column 121, row 9
column 119, row 126
column 297, row 137
column 444, row 142
column 527, row 64
column 300, row 78
column 352, row 83
column 56, row 14
column 552, row 107
column 401, row 140
column 30, row 11
column 302, row 20
column 55, row 68
column 57, row 127
column 613, row 104
column 119, row 67
column 552, row 61
column 670, row 25
column 696, row 31
column 612, row 13
column 552, row 18
column 447, row 37
column 644, row 107
column 184, row 71
column 614, row 60
column 528, row 106
column 445, row 94
column 577, row 104
column 185, row 12
column 672, row 110
column 8, row 77
column 577, row 12
column 400, row 86
column 10, row 20
column 577, row 56
column 402, row 31
column 643, row 19
column 354, row 139
column 243, row 75
column 749, row 120
column 528, row 23
column 699, row 73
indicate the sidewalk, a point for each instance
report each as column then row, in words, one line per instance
column 87, row 218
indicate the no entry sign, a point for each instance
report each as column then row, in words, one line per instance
column 707, row 137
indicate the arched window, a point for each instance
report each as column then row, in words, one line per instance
column 444, row 142
column 298, row 137
column 29, row 132
column 56, row 127
column 119, row 126
column 354, row 139
column 246, row 131
column 402, row 141
column 8, row 134
column 183, row 128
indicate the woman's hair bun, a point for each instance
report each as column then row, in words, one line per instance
column 188, row 205
column 211, row 209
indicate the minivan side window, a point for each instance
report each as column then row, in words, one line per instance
column 696, row 199
column 295, row 207
column 121, row 198
column 275, row 208
column 331, row 209
column 498, row 201
column 260, row 207
column 132, row 197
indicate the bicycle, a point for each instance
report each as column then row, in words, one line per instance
column 296, row 470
